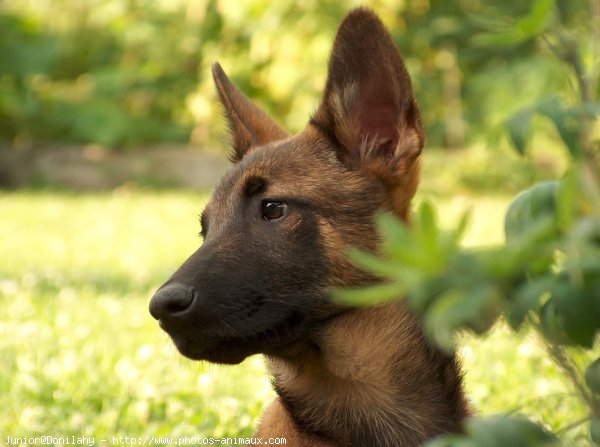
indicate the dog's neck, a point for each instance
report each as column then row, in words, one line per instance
column 373, row 380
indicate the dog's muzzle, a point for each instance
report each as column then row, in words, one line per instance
column 171, row 303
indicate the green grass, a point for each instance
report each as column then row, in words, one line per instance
column 80, row 354
column 78, row 349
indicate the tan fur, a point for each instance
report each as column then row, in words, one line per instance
column 401, row 187
column 364, row 377
column 250, row 126
column 277, row 423
column 369, row 375
column 354, row 378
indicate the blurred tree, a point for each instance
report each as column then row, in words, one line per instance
column 131, row 72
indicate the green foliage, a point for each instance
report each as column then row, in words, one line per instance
column 498, row 432
column 125, row 73
column 85, row 79
column 529, row 207
column 547, row 274
column 79, row 351
column 522, row 29
column 568, row 122
column 595, row 430
column 592, row 376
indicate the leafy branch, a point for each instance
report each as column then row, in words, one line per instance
column 547, row 274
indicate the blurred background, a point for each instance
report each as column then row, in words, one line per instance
column 111, row 138
column 121, row 76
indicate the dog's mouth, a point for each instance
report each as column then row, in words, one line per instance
column 234, row 349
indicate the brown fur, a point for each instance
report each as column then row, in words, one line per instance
column 394, row 387
column 344, row 376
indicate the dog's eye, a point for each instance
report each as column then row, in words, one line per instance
column 272, row 209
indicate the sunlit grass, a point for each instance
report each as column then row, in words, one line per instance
column 81, row 355
column 78, row 349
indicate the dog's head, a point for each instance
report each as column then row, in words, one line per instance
column 279, row 223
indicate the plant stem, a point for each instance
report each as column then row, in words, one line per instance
column 594, row 72
column 563, row 360
column 572, row 425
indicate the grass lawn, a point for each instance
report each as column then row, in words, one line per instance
column 80, row 355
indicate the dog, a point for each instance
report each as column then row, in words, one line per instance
column 276, row 233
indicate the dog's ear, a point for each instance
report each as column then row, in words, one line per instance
column 368, row 106
column 249, row 125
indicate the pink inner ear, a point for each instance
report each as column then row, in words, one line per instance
column 377, row 115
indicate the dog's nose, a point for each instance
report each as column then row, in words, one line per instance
column 171, row 300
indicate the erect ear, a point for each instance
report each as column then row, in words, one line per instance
column 368, row 107
column 249, row 125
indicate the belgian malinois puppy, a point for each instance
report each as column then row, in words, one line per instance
column 276, row 233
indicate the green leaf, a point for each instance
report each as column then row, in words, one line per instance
column 392, row 229
column 519, row 128
column 517, row 217
column 595, row 429
column 526, row 298
column 575, row 306
column 521, row 30
column 551, row 325
column 427, row 225
column 505, row 431
column 592, row 376
column 413, row 248
column 421, row 297
column 451, row 441
column 538, row 20
column 398, row 242
column 498, row 431
column 475, row 309
column 485, row 302
column 567, row 199
column 567, row 121
column 444, row 317
column 462, row 226
column 369, row 295
column 506, row 38
column 529, row 207
column 372, row 263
